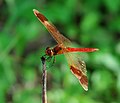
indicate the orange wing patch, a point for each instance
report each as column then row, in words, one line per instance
column 82, row 78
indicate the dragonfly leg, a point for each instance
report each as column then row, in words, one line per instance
column 50, row 60
column 47, row 58
column 54, row 59
column 53, row 62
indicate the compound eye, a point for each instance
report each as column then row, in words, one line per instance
column 49, row 52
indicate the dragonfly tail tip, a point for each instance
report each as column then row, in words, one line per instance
column 35, row 11
column 96, row 49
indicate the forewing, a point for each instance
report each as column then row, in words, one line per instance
column 78, row 68
column 60, row 39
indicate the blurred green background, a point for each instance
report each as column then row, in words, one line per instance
column 23, row 39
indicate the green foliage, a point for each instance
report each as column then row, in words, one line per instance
column 23, row 39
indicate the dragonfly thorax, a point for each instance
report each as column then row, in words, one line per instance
column 54, row 51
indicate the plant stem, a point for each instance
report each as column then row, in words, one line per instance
column 44, row 75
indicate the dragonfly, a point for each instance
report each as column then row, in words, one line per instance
column 76, row 64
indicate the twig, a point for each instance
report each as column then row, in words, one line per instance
column 44, row 75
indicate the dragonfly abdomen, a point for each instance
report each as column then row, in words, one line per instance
column 81, row 49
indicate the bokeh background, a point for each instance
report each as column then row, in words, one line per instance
column 23, row 39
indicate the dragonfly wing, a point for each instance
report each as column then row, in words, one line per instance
column 60, row 39
column 78, row 68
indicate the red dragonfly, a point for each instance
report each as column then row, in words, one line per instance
column 77, row 66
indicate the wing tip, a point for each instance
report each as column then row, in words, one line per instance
column 40, row 16
column 35, row 11
column 84, row 82
column 85, row 87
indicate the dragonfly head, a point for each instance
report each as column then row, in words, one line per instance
column 49, row 51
